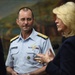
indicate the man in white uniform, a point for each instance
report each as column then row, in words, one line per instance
column 24, row 47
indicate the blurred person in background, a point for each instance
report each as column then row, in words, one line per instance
column 64, row 62
column 2, row 62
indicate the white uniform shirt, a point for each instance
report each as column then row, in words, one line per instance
column 22, row 52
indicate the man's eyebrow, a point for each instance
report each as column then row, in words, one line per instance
column 26, row 18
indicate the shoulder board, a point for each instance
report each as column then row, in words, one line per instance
column 14, row 38
column 42, row 35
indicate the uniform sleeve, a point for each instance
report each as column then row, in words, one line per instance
column 9, row 60
column 47, row 45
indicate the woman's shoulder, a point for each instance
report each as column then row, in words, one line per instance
column 70, row 39
column 69, row 42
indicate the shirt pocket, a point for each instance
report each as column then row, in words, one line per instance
column 30, row 57
column 14, row 53
column 37, row 50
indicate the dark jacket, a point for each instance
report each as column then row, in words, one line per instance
column 2, row 63
column 64, row 61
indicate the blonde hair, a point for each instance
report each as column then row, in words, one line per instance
column 66, row 13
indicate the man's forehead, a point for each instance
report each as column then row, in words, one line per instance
column 25, row 14
column 25, row 11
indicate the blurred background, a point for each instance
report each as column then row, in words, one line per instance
column 44, row 21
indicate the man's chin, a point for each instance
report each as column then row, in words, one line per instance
column 27, row 29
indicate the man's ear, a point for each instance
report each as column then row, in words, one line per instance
column 17, row 21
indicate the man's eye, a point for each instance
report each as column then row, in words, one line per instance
column 23, row 19
column 29, row 19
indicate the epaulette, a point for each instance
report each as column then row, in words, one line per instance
column 42, row 35
column 14, row 38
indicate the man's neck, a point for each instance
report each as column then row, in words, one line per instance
column 26, row 34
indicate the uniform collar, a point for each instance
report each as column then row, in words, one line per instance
column 32, row 36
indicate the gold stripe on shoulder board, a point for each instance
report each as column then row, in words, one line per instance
column 14, row 38
column 42, row 35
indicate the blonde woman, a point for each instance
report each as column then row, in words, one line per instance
column 64, row 62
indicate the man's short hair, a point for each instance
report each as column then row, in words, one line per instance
column 26, row 9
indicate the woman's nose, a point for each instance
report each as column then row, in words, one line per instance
column 56, row 20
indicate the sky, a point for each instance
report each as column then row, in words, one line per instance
column 8, row 7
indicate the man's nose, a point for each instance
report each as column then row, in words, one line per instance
column 25, row 21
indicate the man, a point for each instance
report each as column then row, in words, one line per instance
column 2, row 63
column 24, row 47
